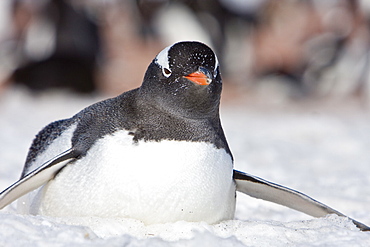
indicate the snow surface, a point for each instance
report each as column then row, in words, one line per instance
column 324, row 154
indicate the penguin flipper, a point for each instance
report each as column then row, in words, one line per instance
column 259, row 188
column 36, row 178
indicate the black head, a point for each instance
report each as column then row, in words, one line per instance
column 184, row 79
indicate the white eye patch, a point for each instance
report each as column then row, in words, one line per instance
column 216, row 63
column 162, row 61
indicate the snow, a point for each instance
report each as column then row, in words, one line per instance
column 323, row 153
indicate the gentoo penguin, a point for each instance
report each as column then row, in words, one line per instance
column 157, row 153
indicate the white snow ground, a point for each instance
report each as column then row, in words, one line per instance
column 324, row 154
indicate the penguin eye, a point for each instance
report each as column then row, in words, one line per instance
column 166, row 72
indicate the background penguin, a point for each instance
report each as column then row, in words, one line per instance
column 157, row 153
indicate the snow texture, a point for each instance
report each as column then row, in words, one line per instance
column 324, row 154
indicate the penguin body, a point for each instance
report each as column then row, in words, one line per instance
column 151, row 181
column 146, row 154
column 157, row 153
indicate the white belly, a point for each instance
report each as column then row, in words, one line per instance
column 150, row 181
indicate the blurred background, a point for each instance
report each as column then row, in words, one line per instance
column 281, row 51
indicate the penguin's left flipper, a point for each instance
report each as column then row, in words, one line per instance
column 37, row 177
column 259, row 188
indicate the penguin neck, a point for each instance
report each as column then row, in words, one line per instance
column 153, row 123
column 149, row 110
column 178, row 107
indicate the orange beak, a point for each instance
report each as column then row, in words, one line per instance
column 199, row 78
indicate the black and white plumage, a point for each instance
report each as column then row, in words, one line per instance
column 157, row 153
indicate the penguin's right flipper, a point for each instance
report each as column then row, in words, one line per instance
column 262, row 189
column 37, row 177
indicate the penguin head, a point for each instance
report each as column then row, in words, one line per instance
column 184, row 79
